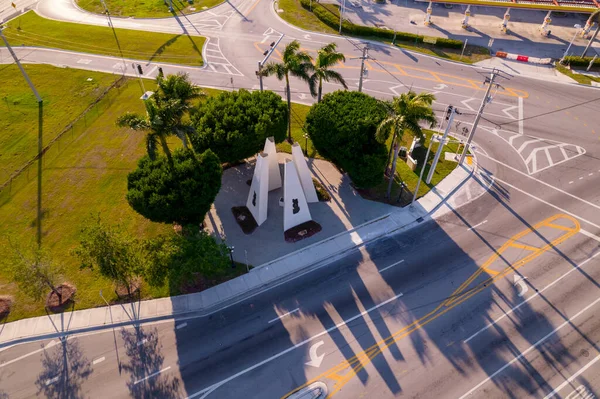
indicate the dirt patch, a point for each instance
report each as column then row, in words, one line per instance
column 134, row 290
column 6, row 303
column 244, row 218
column 302, row 231
column 400, row 199
column 61, row 299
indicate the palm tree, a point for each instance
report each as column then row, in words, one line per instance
column 296, row 63
column 405, row 113
column 326, row 58
column 164, row 114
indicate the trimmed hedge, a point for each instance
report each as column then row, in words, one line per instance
column 579, row 62
column 332, row 20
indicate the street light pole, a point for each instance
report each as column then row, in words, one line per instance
column 114, row 34
column 422, row 170
column 40, row 102
column 342, row 8
column 577, row 27
column 362, row 66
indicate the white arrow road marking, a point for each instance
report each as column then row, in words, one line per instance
column 441, row 86
column 52, row 381
column 465, row 103
column 315, row 360
column 307, row 37
column 302, row 96
column 520, row 282
column 268, row 32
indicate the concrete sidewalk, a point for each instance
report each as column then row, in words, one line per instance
column 260, row 279
column 523, row 38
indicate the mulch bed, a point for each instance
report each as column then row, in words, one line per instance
column 55, row 303
column 5, row 306
column 302, row 231
column 244, row 218
column 122, row 293
column 374, row 195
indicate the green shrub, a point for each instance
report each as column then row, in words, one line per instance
column 342, row 128
column 235, row 124
column 332, row 20
column 182, row 194
column 582, row 62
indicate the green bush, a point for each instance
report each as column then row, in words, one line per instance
column 333, row 20
column 235, row 124
column 582, row 62
column 342, row 128
column 183, row 194
column 182, row 258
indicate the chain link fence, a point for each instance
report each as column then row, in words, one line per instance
column 61, row 142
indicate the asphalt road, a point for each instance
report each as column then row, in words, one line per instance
column 494, row 299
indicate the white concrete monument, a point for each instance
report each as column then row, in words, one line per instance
column 304, row 174
column 258, row 198
column 274, row 172
column 295, row 208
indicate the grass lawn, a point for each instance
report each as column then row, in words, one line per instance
column 144, row 46
column 410, row 178
column 583, row 79
column 146, row 9
column 66, row 95
column 294, row 13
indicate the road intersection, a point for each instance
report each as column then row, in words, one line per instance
column 395, row 318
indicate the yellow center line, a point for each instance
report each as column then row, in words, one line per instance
column 355, row 364
column 252, row 8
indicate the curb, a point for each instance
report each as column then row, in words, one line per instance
column 523, row 58
column 178, row 304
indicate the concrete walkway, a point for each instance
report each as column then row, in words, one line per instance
column 258, row 280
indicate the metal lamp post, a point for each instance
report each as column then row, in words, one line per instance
column 577, row 27
column 231, row 248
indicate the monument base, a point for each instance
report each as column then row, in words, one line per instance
column 244, row 218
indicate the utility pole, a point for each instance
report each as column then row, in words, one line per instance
column 342, row 8
column 450, row 112
column 267, row 54
column 40, row 102
column 114, row 34
column 591, row 41
column 364, row 57
column 486, row 98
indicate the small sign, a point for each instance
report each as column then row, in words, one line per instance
column 430, row 40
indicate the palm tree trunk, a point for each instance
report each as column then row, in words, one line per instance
column 289, row 102
column 393, row 175
column 389, row 157
column 320, row 90
column 166, row 150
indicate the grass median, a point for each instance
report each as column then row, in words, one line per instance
column 146, row 8
column 32, row 30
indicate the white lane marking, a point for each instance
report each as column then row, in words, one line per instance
column 52, row 380
column 180, row 326
column 581, row 178
column 520, row 115
column 142, row 342
column 152, row 375
column 84, row 61
column 49, row 345
column 149, row 73
column 506, row 314
column 477, row 225
column 264, row 39
column 99, row 360
column 288, row 350
column 283, row 315
column 216, row 51
column 541, row 182
column 590, row 235
column 532, row 347
column 590, row 174
column 390, row 266
column 567, row 382
column 571, row 182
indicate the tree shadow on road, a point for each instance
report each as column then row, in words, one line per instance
column 65, row 368
column 146, row 365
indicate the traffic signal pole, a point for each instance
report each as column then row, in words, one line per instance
column 450, row 112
